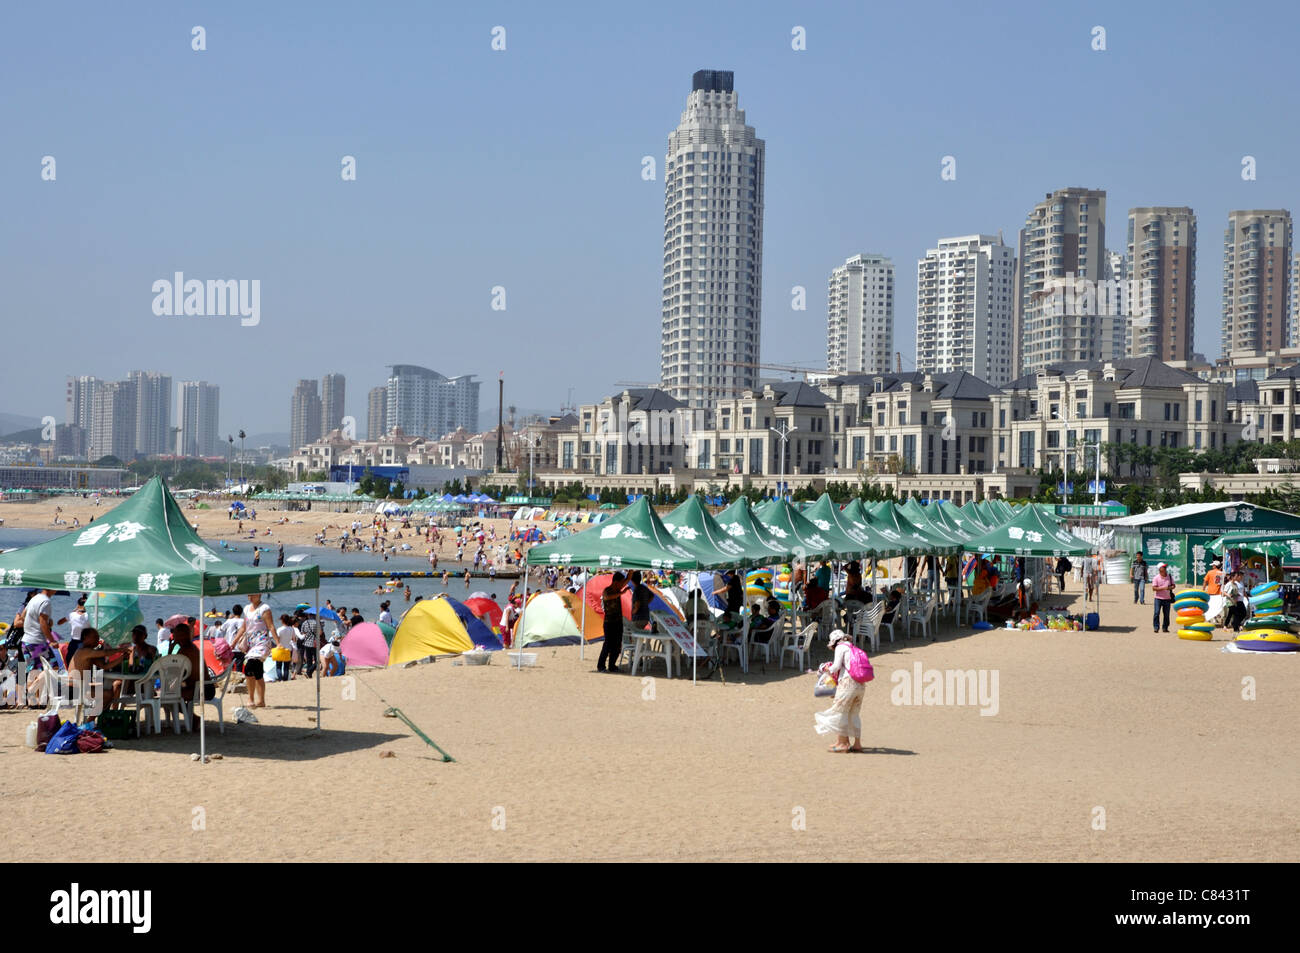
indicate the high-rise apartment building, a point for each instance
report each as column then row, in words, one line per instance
column 713, row 247
column 304, row 415
column 332, row 391
column 377, row 413
column 153, row 412
column 965, row 303
column 860, row 316
column 80, row 405
column 425, row 403
column 198, row 406
column 112, row 422
column 1062, row 264
column 1161, row 291
column 1256, row 281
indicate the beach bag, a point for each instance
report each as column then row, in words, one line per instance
column 115, row 725
column 826, row 685
column 89, row 742
column 64, row 740
column 860, row 669
column 46, row 728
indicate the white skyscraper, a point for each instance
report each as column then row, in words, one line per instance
column 965, row 302
column 713, row 247
column 199, row 405
column 860, row 316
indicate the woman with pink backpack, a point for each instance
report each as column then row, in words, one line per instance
column 852, row 670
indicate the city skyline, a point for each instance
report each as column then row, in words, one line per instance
column 320, row 290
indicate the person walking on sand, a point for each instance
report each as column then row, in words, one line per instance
column 611, row 602
column 843, row 718
column 1138, row 575
column 1163, row 589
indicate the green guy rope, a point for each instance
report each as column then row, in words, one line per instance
column 398, row 713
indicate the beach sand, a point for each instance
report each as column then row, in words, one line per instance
column 213, row 524
column 559, row 763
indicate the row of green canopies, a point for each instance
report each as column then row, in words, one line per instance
column 775, row 531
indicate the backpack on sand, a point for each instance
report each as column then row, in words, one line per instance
column 860, row 669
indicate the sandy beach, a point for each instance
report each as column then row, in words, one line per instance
column 214, row 526
column 1116, row 745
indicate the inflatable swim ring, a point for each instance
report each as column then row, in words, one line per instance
column 1183, row 601
column 1201, row 626
column 1282, row 623
column 1193, row 594
column 1270, row 635
column 1192, row 635
column 1187, row 621
column 1264, row 587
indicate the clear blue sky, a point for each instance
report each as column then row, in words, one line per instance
column 522, row 169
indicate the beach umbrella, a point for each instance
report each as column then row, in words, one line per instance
column 114, row 615
column 174, row 620
column 325, row 613
column 487, row 610
column 367, row 645
column 439, row 626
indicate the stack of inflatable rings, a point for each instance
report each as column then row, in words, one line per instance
column 1190, row 606
column 1266, row 599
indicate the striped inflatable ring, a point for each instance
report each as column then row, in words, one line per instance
column 1194, row 594
column 1269, row 601
column 1192, row 635
column 1264, row 587
column 1189, row 613
column 1183, row 603
column 1200, row 626
column 1189, row 620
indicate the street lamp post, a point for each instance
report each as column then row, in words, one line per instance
column 784, row 434
column 241, row 459
column 230, row 456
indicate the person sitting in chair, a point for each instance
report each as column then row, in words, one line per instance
column 891, row 605
column 762, row 626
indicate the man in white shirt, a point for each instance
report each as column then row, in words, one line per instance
column 385, row 616
column 38, row 629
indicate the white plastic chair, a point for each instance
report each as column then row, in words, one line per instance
column 740, row 646
column 171, row 671
column 647, row 648
column 773, row 643
column 220, row 687
column 922, row 617
column 55, row 683
column 867, row 625
column 897, row 617
column 799, row 646
column 979, row 606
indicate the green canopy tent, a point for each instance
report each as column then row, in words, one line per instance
column 953, row 520
column 890, row 518
column 1032, row 533
column 145, row 545
column 793, row 529
column 1276, row 545
column 694, row 527
column 741, row 524
column 830, row 518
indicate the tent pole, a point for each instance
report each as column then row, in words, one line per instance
column 582, row 642
column 198, row 698
column 320, row 638
column 695, row 633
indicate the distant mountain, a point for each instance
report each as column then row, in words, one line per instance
column 23, row 436
column 13, row 422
